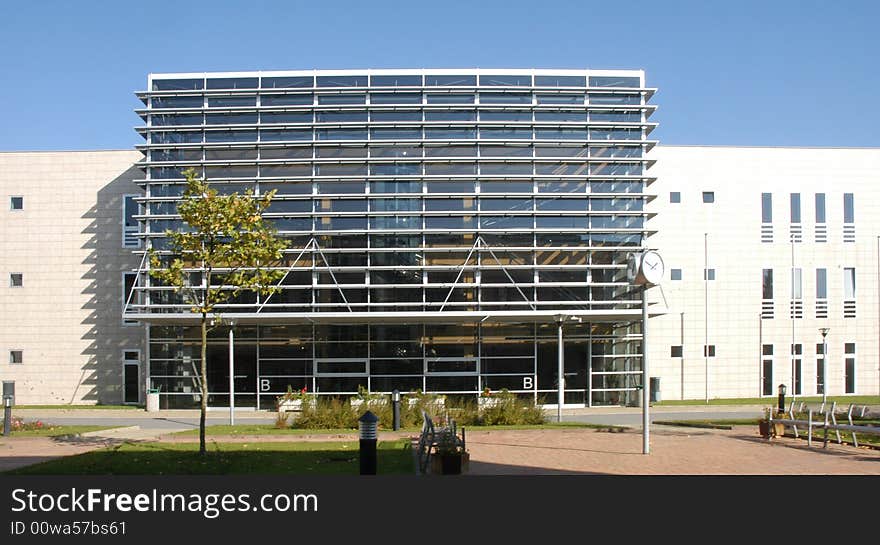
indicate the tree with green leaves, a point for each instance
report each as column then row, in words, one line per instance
column 225, row 248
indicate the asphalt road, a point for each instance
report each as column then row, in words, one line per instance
column 626, row 417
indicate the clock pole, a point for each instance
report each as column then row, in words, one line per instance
column 646, row 420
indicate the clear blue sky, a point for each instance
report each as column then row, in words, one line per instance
column 770, row 73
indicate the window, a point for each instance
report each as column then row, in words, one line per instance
column 849, row 283
column 766, row 207
column 796, row 284
column 820, row 368
column 16, row 203
column 708, row 274
column 821, row 284
column 675, row 274
column 675, row 351
column 675, row 197
column 16, row 356
column 767, row 369
column 796, row 353
column 708, row 196
column 849, row 378
column 128, row 282
column 795, row 207
column 820, row 208
column 709, row 350
column 848, row 208
column 767, row 284
column 15, row 280
column 130, row 209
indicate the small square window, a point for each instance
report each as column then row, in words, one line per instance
column 849, row 348
column 675, row 351
column 15, row 280
column 675, row 197
column 767, row 349
column 675, row 274
column 709, row 350
column 16, row 203
column 708, row 196
column 708, row 274
column 16, row 356
column 820, row 349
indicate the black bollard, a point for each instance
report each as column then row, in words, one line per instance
column 782, row 389
column 7, row 414
column 395, row 407
column 368, row 433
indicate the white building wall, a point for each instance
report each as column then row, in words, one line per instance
column 67, row 243
column 731, row 229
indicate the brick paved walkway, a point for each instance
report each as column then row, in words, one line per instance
column 674, row 451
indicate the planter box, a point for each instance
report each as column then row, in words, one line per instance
column 764, row 428
column 292, row 405
column 439, row 402
column 483, row 402
column 450, row 464
column 357, row 402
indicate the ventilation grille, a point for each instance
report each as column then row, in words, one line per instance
column 849, row 232
column 767, row 232
column 821, row 233
column 767, row 310
column 822, row 308
column 849, row 309
column 796, row 233
column 797, row 309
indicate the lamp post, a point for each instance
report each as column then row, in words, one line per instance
column 231, row 374
column 824, row 331
column 782, row 390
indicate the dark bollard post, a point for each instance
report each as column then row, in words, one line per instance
column 7, row 414
column 368, row 424
column 395, row 407
column 782, row 389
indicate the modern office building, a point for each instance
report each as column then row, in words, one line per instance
column 440, row 224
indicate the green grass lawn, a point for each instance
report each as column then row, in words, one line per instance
column 269, row 429
column 97, row 407
column 57, row 431
column 330, row 458
column 841, row 400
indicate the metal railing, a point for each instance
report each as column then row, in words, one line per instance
column 826, row 423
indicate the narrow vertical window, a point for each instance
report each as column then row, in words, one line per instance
column 129, row 224
column 797, row 351
column 796, row 284
column 849, row 283
column 766, row 208
column 848, row 208
column 820, row 368
column 850, row 368
column 795, row 207
column 128, row 282
column 767, row 369
column 821, row 284
column 820, row 208
column 767, row 283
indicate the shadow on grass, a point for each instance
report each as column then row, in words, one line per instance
column 339, row 458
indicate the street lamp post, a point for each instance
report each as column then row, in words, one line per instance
column 824, row 331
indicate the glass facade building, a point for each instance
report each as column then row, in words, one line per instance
column 440, row 223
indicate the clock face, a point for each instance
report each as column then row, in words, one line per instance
column 652, row 267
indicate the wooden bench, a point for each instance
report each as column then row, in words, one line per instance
column 431, row 437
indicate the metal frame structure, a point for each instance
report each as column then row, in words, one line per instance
column 456, row 197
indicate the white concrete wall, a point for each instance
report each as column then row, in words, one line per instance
column 67, row 242
column 738, row 176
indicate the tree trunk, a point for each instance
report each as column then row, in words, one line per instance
column 204, row 408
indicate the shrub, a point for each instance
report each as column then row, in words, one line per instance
column 507, row 410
